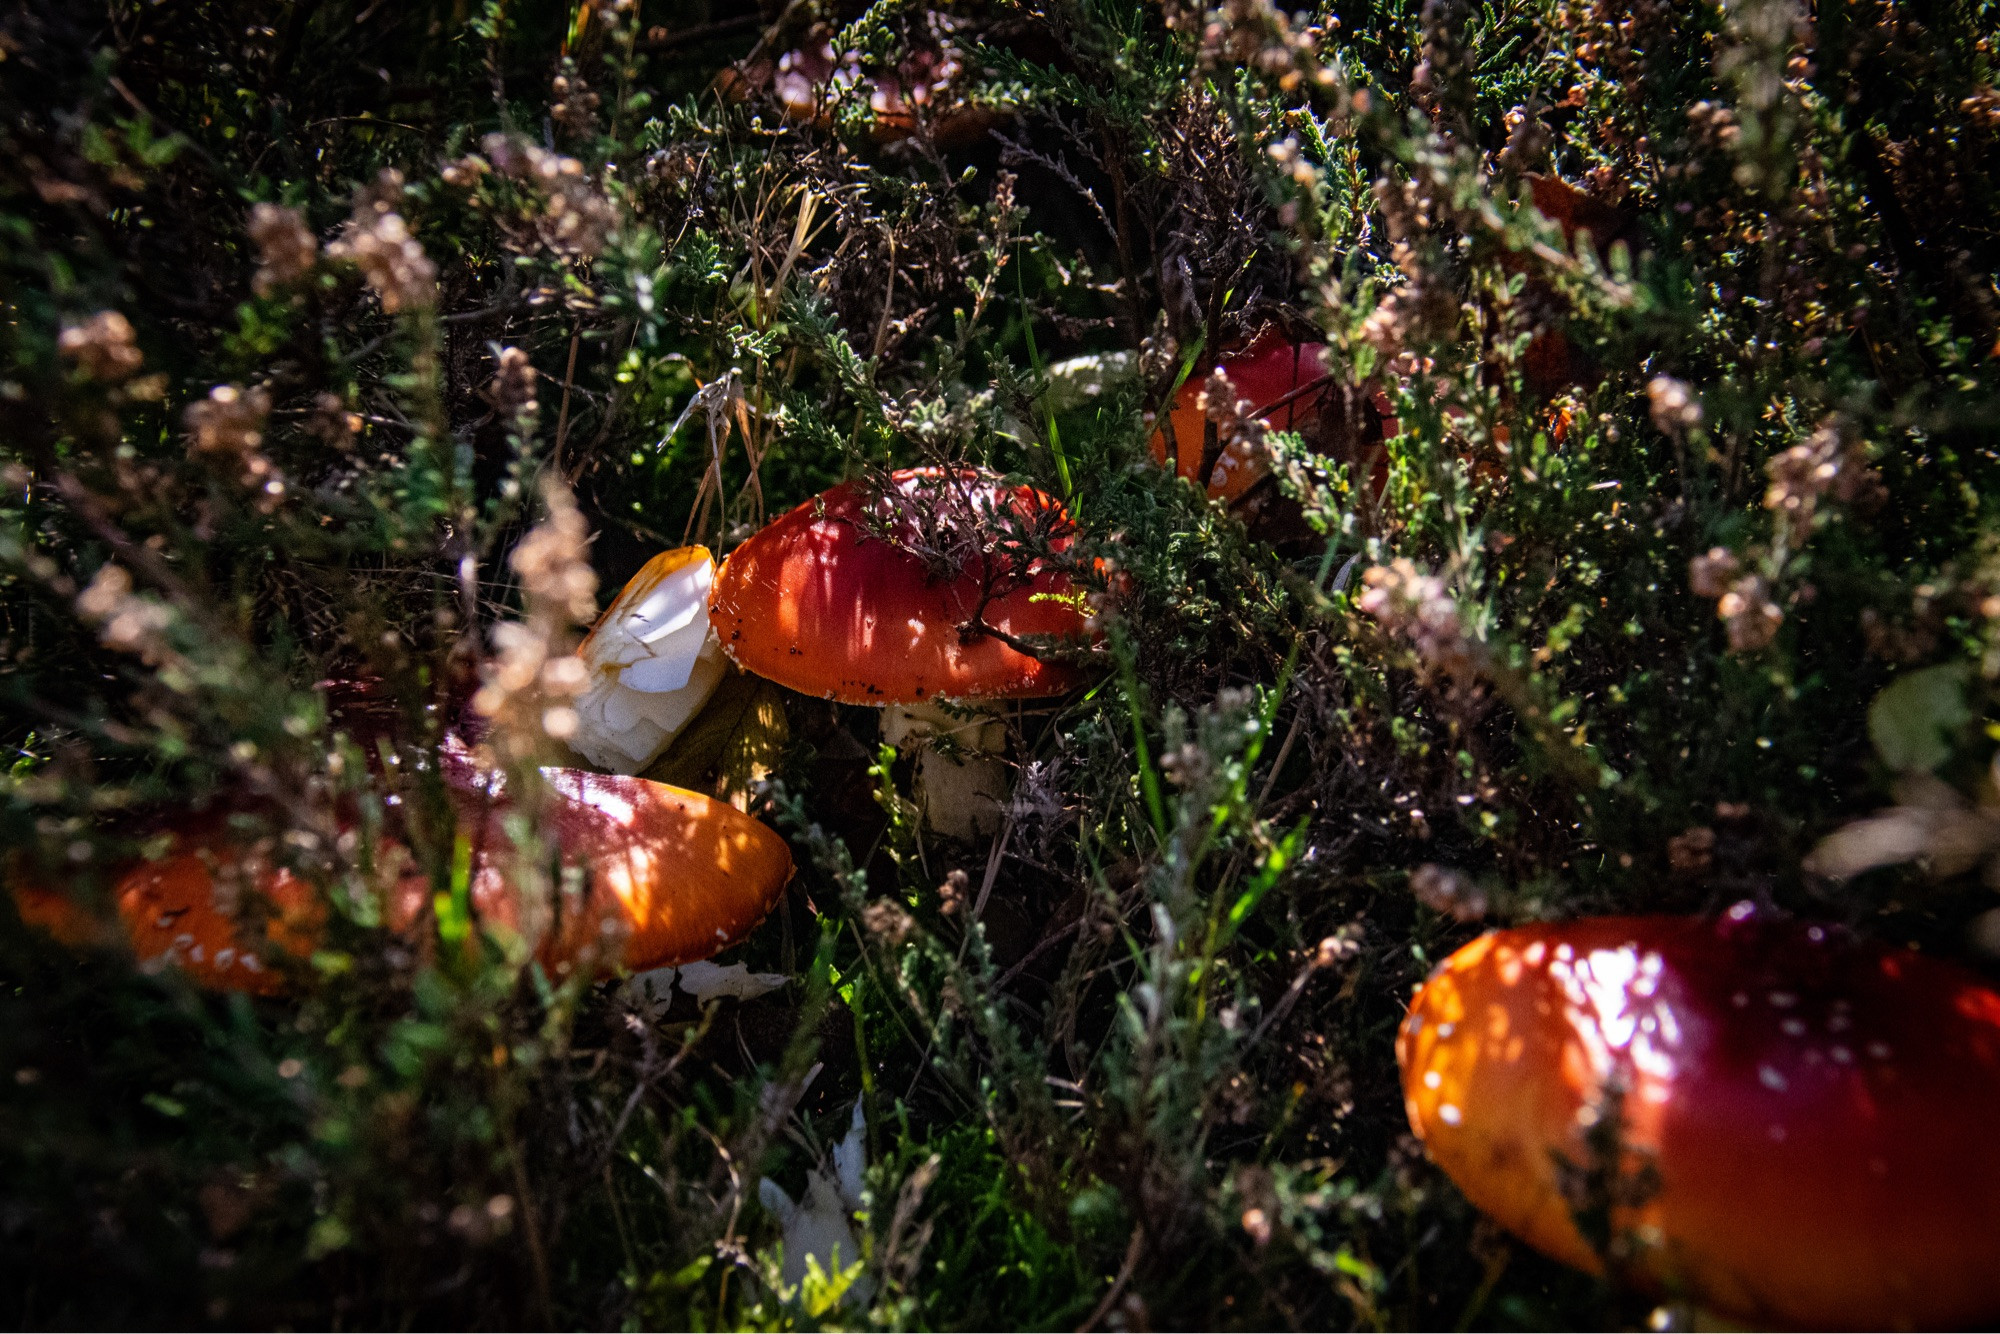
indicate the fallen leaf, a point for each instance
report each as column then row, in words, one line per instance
column 1948, row 842
column 735, row 741
column 705, row 981
column 1916, row 718
column 819, row 1228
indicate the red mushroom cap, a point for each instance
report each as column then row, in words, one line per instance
column 1805, row 1121
column 54, row 912
column 821, row 601
column 1270, row 373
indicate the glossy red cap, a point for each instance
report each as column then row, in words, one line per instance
column 1814, row 1115
column 831, row 600
column 670, row 876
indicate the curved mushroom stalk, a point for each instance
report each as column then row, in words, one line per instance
column 653, row 660
column 962, row 784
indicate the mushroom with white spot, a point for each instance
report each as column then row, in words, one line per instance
column 665, row 876
column 1281, row 380
column 1782, row 1122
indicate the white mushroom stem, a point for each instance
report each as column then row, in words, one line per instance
column 961, row 784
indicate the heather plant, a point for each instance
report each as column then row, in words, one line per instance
column 1632, row 548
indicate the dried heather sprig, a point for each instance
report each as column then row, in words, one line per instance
column 533, row 678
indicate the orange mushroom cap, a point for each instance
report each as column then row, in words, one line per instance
column 819, row 602
column 1804, row 1120
column 179, row 911
column 55, row 912
column 671, row 876
column 1271, row 373
column 925, row 78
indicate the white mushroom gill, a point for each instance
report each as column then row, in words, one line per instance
column 653, row 661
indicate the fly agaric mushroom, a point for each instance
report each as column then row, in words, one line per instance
column 922, row 83
column 1777, row 1120
column 172, row 912
column 1277, row 378
column 904, row 601
column 1551, row 363
column 653, row 662
column 176, row 912
column 670, row 876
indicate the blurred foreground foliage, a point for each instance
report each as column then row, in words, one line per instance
column 1643, row 535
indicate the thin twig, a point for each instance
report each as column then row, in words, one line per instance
column 1132, row 1253
column 701, row 32
column 534, row 1232
column 1278, row 764
column 562, row 414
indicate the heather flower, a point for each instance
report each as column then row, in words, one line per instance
column 1692, row 852
column 511, row 391
column 1674, row 406
column 378, row 242
column 553, row 560
column 1255, row 33
column 1983, row 106
column 1751, row 617
column 1416, row 605
column 1711, row 574
column 1295, row 163
column 228, row 421
column 126, row 621
column 531, row 682
column 1450, row 892
column 953, row 893
column 331, row 421
column 103, row 347
column 1343, row 946
column 1826, row 465
column 1234, row 417
column 887, row 922
column 575, row 108
column 576, row 219
column 286, row 247
column 464, row 172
